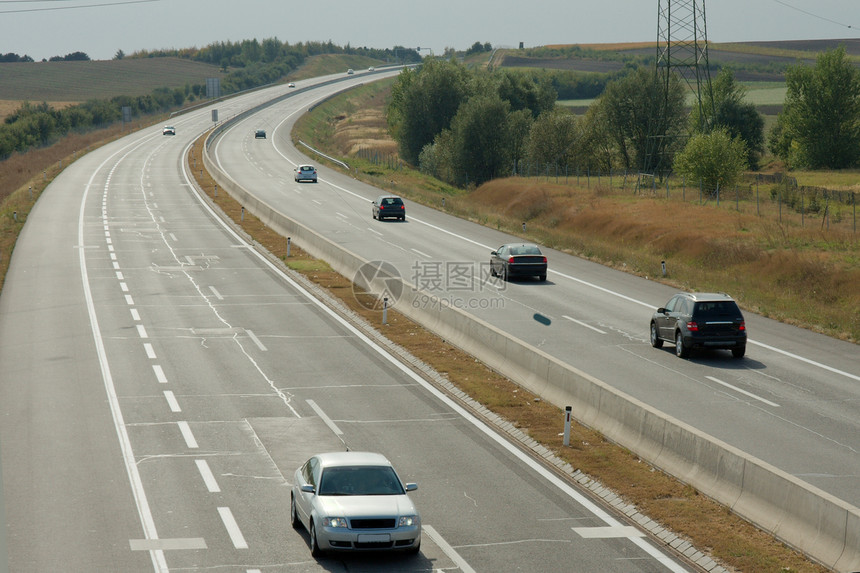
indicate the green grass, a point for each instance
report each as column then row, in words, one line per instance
column 82, row 81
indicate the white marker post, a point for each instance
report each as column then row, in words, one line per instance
column 567, row 410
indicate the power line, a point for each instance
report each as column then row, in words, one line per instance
column 53, row 8
column 802, row 11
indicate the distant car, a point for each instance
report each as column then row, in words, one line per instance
column 168, row 130
column 700, row 320
column 291, row 85
column 354, row 501
column 371, row 69
column 518, row 260
column 388, row 207
column 350, row 71
column 306, row 173
column 260, row 134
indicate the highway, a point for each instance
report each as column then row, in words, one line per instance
column 162, row 379
column 791, row 402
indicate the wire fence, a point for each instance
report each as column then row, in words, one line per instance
column 774, row 196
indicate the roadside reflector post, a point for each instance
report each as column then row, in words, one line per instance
column 243, row 213
column 288, row 246
column 663, row 266
column 216, row 189
column 567, row 410
column 385, row 310
column 524, row 227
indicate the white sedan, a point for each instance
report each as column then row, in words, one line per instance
column 353, row 501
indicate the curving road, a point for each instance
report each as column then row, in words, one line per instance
column 791, row 402
column 162, row 379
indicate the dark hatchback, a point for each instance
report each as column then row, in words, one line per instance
column 389, row 207
column 518, row 260
column 700, row 320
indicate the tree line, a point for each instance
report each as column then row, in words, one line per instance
column 467, row 126
column 247, row 64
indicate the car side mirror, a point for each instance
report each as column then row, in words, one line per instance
column 661, row 310
column 308, row 488
column 411, row 486
column 494, row 253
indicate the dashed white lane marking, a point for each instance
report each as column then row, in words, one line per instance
column 141, row 331
column 328, row 421
column 171, row 401
column 159, row 374
column 150, row 353
column 256, row 340
column 128, row 300
column 447, row 549
column 744, row 392
column 135, row 316
column 619, row 531
column 232, row 528
column 190, row 441
column 216, row 293
column 580, row 323
column 208, row 476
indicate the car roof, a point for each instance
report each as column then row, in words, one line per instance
column 389, row 197
column 306, row 166
column 334, row 459
column 706, row 296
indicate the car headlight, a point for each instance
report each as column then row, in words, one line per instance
column 408, row 521
column 335, row 522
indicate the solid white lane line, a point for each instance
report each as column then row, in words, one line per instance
column 208, row 476
column 232, row 528
column 171, row 401
column 744, row 392
column 185, row 429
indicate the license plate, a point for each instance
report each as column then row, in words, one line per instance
column 373, row 537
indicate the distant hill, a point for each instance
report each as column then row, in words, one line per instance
column 751, row 61
column 71, row 82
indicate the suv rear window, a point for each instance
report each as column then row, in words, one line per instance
column 716, row 309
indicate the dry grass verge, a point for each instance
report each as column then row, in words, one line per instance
column 710, row 527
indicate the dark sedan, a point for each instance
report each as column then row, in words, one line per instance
column 518, row 260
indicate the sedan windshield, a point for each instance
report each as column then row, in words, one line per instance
column 360, row 480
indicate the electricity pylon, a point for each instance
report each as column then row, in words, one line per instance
column 682, row 48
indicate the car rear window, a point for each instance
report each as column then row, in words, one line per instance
column 392, row 201
column 525, row 250
column 716, row 309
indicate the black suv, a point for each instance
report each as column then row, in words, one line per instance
column 700, row 320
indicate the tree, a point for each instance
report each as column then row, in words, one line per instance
column 739, row 118
column 553, row 138
column 819, row 126
column 716, row 159
column 424, row 102
column 480, row 139
column 642, row 127
column 119, row 55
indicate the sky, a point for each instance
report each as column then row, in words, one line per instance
column 100, row 28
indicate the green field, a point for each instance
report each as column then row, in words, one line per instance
column 82, row 81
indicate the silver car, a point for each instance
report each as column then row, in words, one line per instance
column 306, row 173
column 354, row 501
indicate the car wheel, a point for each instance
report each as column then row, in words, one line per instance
column 372, row 214
column 315, row 547
column 739, row 352
column 504, row 274
column 656, row 341
column 294, row 517
column 493, row 272
column 681, row 351
column 542, row 278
